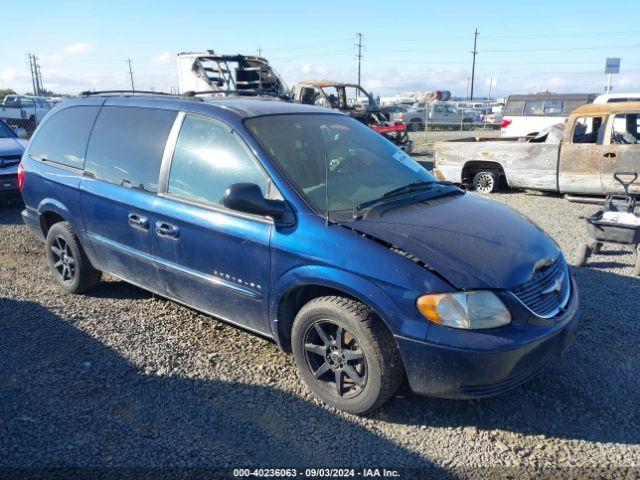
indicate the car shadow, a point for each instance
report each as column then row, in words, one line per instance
column 591, row 393
column 118, row 290
column 68, row 400
column 10, row 208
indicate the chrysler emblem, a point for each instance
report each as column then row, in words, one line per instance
column 555, row 287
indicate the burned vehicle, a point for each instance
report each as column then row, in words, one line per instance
column 207, row 73
column 356, row 102
column 578, row 158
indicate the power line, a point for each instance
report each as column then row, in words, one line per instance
column 473, row 64
column 133, row 89
column 359, row 56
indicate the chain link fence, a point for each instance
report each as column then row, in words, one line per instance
column 23, row 114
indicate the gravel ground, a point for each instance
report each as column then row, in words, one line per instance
column 119, row 378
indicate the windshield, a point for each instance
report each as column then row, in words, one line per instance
column 5, row 131
column 363, row 165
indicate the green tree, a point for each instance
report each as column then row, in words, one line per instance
column 6, row 91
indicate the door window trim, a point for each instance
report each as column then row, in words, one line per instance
column 167, row 160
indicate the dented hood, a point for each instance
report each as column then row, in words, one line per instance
column 471, row 241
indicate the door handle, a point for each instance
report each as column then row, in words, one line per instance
column 610, row 155
column 164, row 229
column 138, row 221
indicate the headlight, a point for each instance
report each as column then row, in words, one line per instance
column 469, row 310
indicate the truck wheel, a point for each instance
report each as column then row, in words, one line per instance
column 415, row 125
column 485, row 182
column 68, row 263
column 345, row 355
column 596, row 247
column 584, row 252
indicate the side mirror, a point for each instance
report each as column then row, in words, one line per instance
column 248, row 198
column 21, row 132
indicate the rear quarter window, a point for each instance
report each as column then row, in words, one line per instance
column 62, row 139
column 127, row 145
column 514, row 107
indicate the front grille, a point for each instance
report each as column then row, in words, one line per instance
column 9, row 160
column 546, row 292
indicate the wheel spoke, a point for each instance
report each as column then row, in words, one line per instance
column 317, row 349
column 322, row 334
column 65, row 269
column 57, row 264
column 339, row 337
column 352, row 355
column 70, row 260
column 353, row 375
column 339, row 382
column 324, row 368
column 56, row 251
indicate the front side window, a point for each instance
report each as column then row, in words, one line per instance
column 359, row 163
column 586, row 130
column 127, row 144
column 450, row 109
column 625, row 129
column 534, row 107
column 438, row 108
column 208, row 158
column 63, row 138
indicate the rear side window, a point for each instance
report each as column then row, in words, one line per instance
column 63, row 137
column 208, row 158
column 127, row 144
column 534, row 107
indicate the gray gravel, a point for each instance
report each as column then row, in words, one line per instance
column 120, row 378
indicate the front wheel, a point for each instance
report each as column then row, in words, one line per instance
column 68, row 263
column 584, row 252
column 345, row 355
column 485, row 182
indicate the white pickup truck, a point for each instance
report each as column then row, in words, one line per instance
column 23, row 111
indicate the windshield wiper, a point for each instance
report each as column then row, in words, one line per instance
column 391, row 194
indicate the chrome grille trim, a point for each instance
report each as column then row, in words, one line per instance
column 530, row 293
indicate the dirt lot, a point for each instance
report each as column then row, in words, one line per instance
column 118, row 378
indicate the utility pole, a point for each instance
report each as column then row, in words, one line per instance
column 467, row 91
column 259, row 51
column 490, row 85
column 33, row 75
column 473, row 65
column 359, row 56
column 131, row 75
column 36, row 66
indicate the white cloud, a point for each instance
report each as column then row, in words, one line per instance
column 8, row 74
column 78, row 48
column 306, row 68
column 163, row 58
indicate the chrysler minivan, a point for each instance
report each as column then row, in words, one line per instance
column 304, row 226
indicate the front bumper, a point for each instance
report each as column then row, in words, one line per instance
column 453, row 372
column 8, row 183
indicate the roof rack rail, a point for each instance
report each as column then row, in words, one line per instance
column 240, row 93
column 89, row 93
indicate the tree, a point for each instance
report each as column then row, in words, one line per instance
column 6, row 91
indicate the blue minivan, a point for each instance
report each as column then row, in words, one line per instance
column 304, row 226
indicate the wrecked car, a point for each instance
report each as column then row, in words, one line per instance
column 304, row 226
column 356, row 102
column 578, row 158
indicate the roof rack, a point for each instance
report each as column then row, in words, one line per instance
column 240, row 93
column 127, row 92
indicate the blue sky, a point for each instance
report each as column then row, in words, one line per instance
column 413, row 45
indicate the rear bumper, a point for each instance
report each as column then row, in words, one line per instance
column 450, row 372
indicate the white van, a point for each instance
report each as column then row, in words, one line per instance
column 529, row 114
column 617, row 97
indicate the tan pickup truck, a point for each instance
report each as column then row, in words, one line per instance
column 578, row 157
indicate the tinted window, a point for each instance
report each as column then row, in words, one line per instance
column 514, row 107
column 360, row 164
column 127, row 144
column 586, row 129
column 209, row 158
column 63, row 137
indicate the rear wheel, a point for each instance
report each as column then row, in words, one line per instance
column 485, row 182
column 345, row 355
column 584, row 252
column 68, row 263
column 415, row 125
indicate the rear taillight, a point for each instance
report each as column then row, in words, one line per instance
column 505, row 123
column 20, row 176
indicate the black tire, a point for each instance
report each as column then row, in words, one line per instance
column 485, row 182
column 415, row 125
column 68, row 263
column 596, row 247
column 365, row 342
column 584, row 252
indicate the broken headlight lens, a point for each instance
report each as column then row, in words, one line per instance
column 469, row 310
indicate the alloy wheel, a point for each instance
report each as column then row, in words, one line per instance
column 335, row 358
column 63, row 261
